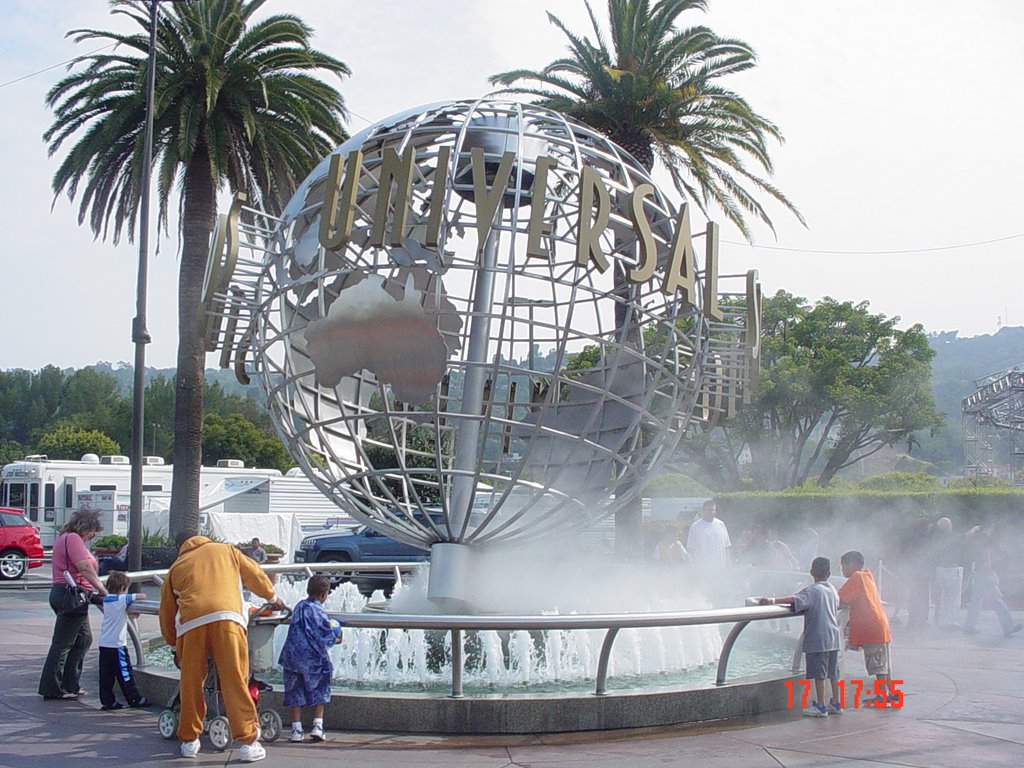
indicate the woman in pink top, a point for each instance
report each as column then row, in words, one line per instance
column 71, row 633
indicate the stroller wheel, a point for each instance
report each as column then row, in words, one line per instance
column 220, row 733
column 168, row 723
column 270, row 724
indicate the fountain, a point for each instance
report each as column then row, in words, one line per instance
column 479, row 326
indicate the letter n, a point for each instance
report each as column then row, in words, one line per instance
column 397, row 169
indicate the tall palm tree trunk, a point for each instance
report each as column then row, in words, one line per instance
column 198, row 212
column 629, row 522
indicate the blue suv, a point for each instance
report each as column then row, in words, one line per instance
column 361, row 544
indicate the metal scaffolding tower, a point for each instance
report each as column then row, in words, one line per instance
column 994, row 409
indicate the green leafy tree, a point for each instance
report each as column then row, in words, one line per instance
column 91, row 400
column 70, row 442
column 838, row 384
column 655, row 91
column 159, row 417
column 235, row 437
column 236, row 105
column 10, row 450
column 29, row 402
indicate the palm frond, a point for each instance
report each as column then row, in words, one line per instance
column 661, row 84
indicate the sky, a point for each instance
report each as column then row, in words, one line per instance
column 902, row 125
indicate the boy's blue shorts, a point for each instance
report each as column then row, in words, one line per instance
column 306, row 690
column 822, row 665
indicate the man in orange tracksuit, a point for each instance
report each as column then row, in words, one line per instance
column 202, row 616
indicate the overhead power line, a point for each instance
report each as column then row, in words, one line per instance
column 54, row 66
column 877, row 253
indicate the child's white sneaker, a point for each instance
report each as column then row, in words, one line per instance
column 250, row 753
column 190, row 748
column 297, row 734
column 317, row 733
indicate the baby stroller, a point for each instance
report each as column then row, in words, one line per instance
column 216, row 724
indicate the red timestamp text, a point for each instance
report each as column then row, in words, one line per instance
column 877, row 694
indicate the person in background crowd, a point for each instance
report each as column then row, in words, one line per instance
column 256, row 551
column 765, row 552
column 72, row 635
column 708, row 541
column 920, row 568
column 805, row 549
column 985, row 582
column 949, row 574
column 669, row 548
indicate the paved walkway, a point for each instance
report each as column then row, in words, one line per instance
column 964, row 707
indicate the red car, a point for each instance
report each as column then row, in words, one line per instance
column 20, row 547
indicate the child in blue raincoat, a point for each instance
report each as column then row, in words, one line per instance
column 305, row 661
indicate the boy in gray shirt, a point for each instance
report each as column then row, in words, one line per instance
column 820, row 604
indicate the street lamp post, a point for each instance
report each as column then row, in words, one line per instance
column 140, row 334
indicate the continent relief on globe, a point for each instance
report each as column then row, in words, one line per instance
column 395, row 339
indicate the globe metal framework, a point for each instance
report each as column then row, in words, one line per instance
column 440, row 353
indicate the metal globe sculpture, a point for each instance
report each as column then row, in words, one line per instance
column 477, row 322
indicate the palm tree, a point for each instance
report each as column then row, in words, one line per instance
column 236, row 105
column 655, row 94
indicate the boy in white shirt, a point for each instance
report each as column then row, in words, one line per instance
column 115, row 665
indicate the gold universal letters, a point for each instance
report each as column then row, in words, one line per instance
column 711, row 308
column 679, row 273
column 334, row 234
column 648, row 256
column 594, row 213
column 398, row 170
column 487, row 199
column 432, row 239
column 538, row 227
column 588, row 243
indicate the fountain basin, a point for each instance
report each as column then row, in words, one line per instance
column 504, row 713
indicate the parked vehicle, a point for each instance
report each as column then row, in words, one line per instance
column 48, row 491
column 20, row 546
column 360, row 544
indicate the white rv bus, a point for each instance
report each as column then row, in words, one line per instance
column 49, row 491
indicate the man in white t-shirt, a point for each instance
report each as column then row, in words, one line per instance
column 708, row 541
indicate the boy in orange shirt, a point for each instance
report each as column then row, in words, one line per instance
column 869, row 627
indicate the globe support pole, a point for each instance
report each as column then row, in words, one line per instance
column 452, row 583
column 466, row 447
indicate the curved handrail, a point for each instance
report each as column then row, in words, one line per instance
column 612, row 622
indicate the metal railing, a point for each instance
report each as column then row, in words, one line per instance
column 456, row 624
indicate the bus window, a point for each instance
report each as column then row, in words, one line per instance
column 102, row 487
column 69, row 495
column 49, row 502
column 151, row 488
column 33, row 502
column 16, row 495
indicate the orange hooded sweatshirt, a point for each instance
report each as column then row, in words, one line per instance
column 204, row 585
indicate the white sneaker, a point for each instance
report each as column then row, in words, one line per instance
column 297, row 734
column 250, row 753
column 317, row 734
column 190, row 748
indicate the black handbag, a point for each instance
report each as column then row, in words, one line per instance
column 70, row 600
